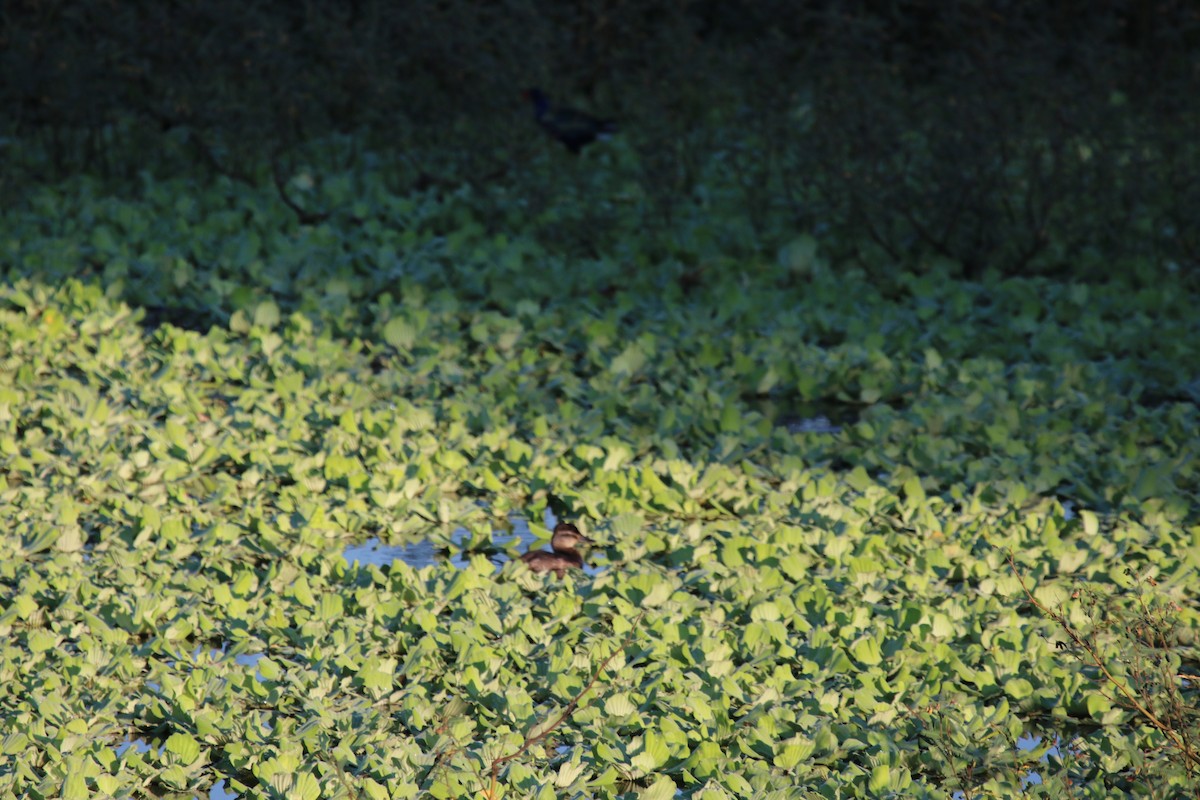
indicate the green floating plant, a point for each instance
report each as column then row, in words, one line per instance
column 802, row 483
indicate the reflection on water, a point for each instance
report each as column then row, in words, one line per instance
column 798, row 417
column 425, row 553
column 417, row 555
column 1030, row 742
column 1025, row 744
column 219, row 792
column 138, row 745
column 251, row 660
column 820, row 424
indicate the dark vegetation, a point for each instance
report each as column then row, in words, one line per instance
column 1011, row 136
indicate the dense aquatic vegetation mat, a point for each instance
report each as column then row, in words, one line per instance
column 202, row 403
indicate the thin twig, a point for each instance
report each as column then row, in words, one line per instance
column 1189, row 754
column 306, row 217
column 531, row 740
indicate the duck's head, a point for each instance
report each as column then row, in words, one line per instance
column 567, row 537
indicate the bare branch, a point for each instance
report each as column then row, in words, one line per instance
column 532, row 739
column 1189, row 754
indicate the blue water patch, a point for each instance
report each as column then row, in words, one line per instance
column 251, row 660
column 418, row 554
column 219, row 792
column 426, row 553
column 138, row 746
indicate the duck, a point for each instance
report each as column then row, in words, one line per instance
column 566, row 537
column 572, row 127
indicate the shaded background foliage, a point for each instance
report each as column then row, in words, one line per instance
column 1008, row 135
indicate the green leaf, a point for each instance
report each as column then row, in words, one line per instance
column 373, row 789
column 653, row 754
column 74, row 786
column 942, row 626
column 731, row 418
column 663, row 788
column 631, row 360
column 1052, row 595
column 1098, row 705
column 266, row 314
column 182, row 745
column 177, row 433
column 791, row 753
column 269, row 669
column 305, row 787
column 867, row 651
column 914, row 493
column 619, row 705
column 41, row 640
column 737, row 784
column 881, row 779
column 175, row 777
column 568, row 773
column 377, row 675
column 107, row 784
column 765, row 611
column 400, row 333
column 1018, row 688
column 800, row 255
column 14, row 743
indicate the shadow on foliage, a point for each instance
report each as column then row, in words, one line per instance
column 990, row 137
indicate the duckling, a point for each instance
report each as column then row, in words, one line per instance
column 565, row 556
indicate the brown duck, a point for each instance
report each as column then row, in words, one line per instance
column 565, row 556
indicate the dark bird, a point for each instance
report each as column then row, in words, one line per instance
column 565, row 556
column 572, row 127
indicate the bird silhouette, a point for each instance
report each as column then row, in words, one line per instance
column 572, row 127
